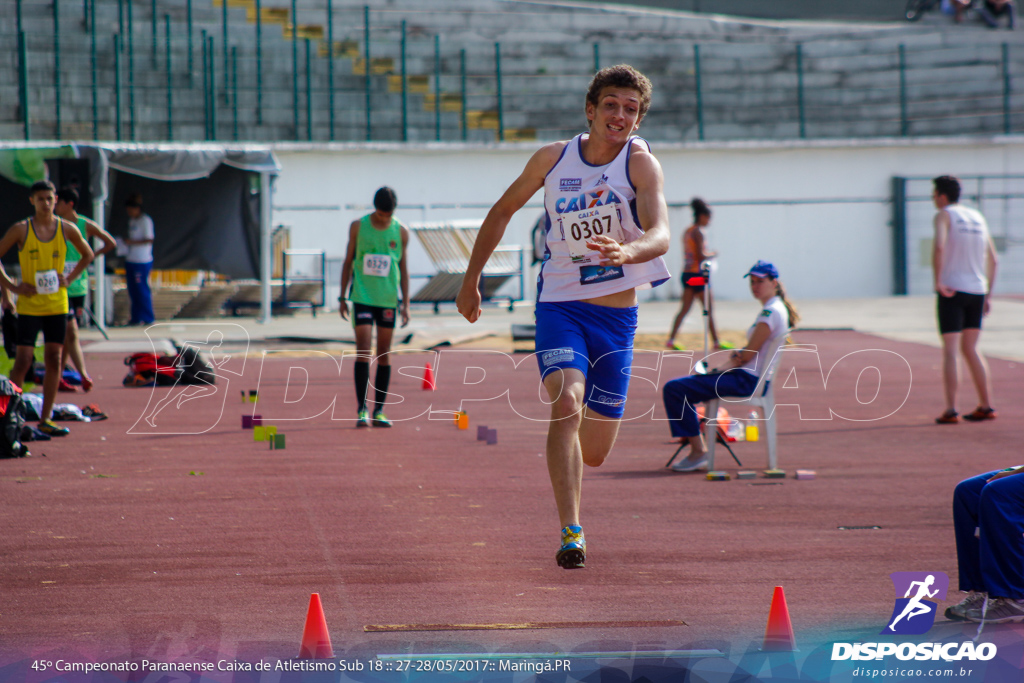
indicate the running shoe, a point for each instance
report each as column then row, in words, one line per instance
column 50, row 428
column 380, row 419
column 674, row 345
column 573, row 553
column 724, row 345
column 364, row 419
column 958, row 612
column 997, row 611
column 981, row 414
column 687, row 464
column 949, row 417
column 63, row 386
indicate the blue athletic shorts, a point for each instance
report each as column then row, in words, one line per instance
column 597, row 341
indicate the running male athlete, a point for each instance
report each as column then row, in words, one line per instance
column 42, row 293
column 375, row 265
column 607, row 228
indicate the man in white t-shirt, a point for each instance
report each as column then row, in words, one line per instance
column 964, row 262
column 139, row 261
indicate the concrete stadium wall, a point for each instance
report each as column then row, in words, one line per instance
column 820, row 210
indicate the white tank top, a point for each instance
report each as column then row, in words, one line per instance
column 581, row 201
column 963, row 259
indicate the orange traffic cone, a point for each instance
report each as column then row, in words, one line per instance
column 778, row 635
column 428, row 377
column 316, row 641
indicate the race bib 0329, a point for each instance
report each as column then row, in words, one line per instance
column 377, row 265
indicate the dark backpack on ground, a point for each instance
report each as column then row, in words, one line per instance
column 12, row 419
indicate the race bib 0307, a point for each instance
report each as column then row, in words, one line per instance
column 581, row 227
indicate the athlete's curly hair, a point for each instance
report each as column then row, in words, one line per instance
column 621, row 76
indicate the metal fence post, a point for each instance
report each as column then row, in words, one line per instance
column 366, row 63
column 191, row 64
column 501, row 107
column 904, row 123
column 56, row 67
column 437, row 88
column 309, row 93
column 131, row 70
column 330, row 70
column 170, row 82
column 699, row 91
column 211, row 62
column 295, row 68
column 234, row 92
column 224, row 37
column 120, row 19
column 206, row 90
column 462, row 87
column 405, row 90
column 1006, row 88
column 23, row 82
column 117, row 86
column 153, row 22
column 899, row 236
column 259, row 64
column 17, row 13
column 800, row 89
column 95, row 75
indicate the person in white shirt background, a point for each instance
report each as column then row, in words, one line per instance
column 139, row 261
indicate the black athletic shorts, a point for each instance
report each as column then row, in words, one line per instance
column 697, row 289
column 363, row 314
column 75, row 305
column 960, row 312
column 53, row 327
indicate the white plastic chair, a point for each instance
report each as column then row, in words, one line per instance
column 763, row 398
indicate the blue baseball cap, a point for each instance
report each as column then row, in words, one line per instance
column 764, row 269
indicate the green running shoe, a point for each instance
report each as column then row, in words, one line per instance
column 381, row 420
column 364, row 419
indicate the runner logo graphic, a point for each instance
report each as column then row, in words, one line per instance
column 914, row 612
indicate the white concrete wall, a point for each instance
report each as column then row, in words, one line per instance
column 819, row 210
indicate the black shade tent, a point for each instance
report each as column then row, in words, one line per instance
column 210, row 203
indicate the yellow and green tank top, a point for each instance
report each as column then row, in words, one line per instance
column 375, row 277
column 41, row 263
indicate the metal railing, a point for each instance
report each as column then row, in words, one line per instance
column 410, row 85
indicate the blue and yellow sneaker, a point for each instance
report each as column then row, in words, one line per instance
column 50, row 429
column 573, row 553
column 381, row 420
column 364, row 419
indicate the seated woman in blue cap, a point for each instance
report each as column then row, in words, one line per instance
column 737, row 376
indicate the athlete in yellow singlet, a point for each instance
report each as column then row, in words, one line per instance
column 42, row 292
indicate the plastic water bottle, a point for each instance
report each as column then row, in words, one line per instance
column 752, row 434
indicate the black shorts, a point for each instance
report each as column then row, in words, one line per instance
column 960, row 312
column 362, row 314
column 53, row 327
column 75, row 306
column 697, row 289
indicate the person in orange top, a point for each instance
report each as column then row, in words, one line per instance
column 694, row 255
column 42, row 293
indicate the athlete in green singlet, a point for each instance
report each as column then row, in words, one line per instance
column 67, row 202
column 375, row 266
